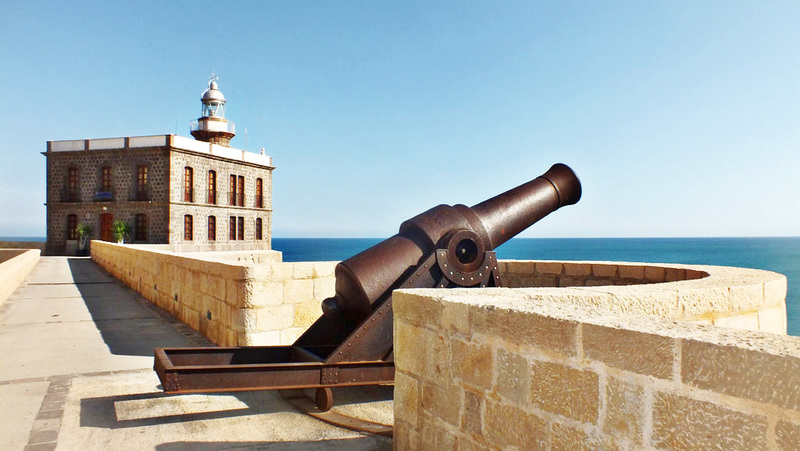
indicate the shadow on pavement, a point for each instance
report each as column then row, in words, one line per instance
column 148, row 409
column 125, row 324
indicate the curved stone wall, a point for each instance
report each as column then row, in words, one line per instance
column 720, row 295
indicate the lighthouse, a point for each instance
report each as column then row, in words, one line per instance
column 212, row 126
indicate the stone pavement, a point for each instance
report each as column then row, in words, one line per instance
column 76, row 348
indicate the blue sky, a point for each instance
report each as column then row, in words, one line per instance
column 681, row 118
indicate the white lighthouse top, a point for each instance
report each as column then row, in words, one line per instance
column 213, row 100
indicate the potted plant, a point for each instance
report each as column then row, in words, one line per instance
column 84, row 234
column 120, row 230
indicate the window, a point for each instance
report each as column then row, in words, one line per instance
column 187, row 228
column 232, row 229
column 259, row 227
column 240, row 192
column 140, row 227
column 212, row 187
column 259, row 193
column 241, row 228
column 188, row 185
column 141, row 183
column 232, row 191
column 72, row 185
column 212, row 228
column 72, row 227
column 106, row 188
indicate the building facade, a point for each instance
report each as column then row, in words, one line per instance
column 192, row 194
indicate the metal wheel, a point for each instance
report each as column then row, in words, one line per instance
column 324, row 399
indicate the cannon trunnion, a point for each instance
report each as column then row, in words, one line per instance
column 351, row 343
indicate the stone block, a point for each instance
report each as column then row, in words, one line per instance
column 324, row 288
column 743, row 321
column 553, row 268
column 570, row 392
column 674, row 274
column 232, row 292
column 420, row 352
column 655, row 274
column 605, row 271
column 506, row 426
column 269, row 338
column 297, row 291
column 746, row 297
column 698, row 302
column 566, row 438
column 261, row 294
column 472, row 412
column 455, row 318
column 281, row 272
column 744, row 373
column 303, row 270
column 642, row 353
column 417, row 309
column 406, row 437
column 787, row 435
column 472, row 363
column 214, row 286
column 642, row 300
column 526, row 328
column 634, row 272
column 291, row 334
column 306, row 313
column 775, row 291
column 624, row 413
column 276, row 317
column 324, row 269
column 773, row 320
column 442, row 403
column 684, row 423
column 570, row 282
column 577, row 269
column 244, row 320
column 513, row 376
column 406, row 399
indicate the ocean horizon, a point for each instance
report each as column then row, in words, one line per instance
column 778, row 254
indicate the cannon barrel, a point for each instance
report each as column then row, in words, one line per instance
column 467, row 232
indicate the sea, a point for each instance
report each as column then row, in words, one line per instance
column 781, row 255
column 778, row 254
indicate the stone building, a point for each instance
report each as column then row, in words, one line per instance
column 191, row 194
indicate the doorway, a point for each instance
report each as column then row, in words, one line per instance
column 106, row 219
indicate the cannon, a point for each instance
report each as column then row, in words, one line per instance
column 351, row 343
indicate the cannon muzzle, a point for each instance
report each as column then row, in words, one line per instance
column 465, row 233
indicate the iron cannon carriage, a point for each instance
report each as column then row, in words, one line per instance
column 351, row 343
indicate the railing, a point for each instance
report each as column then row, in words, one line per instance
column 213, row 126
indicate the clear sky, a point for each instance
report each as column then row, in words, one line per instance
column 682, row 118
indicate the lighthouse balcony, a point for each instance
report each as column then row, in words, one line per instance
column 212, row 124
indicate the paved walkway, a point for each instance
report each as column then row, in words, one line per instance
column 76, row 348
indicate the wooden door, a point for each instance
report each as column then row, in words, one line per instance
column 106, row 219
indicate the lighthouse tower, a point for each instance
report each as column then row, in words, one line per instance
column 212, row 126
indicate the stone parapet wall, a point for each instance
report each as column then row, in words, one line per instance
column 230, row 299
column 544, row 369
column 719, row 295
column 15, row 265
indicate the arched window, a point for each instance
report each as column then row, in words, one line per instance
column 232, row 229
column 212, row 228
column 141, row 183
column 187, row 228
column 188, row 185
column 259, row 228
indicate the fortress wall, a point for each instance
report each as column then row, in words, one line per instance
column 15, row 265
column 233, row 299
column 720, row 295
column 498, row 368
